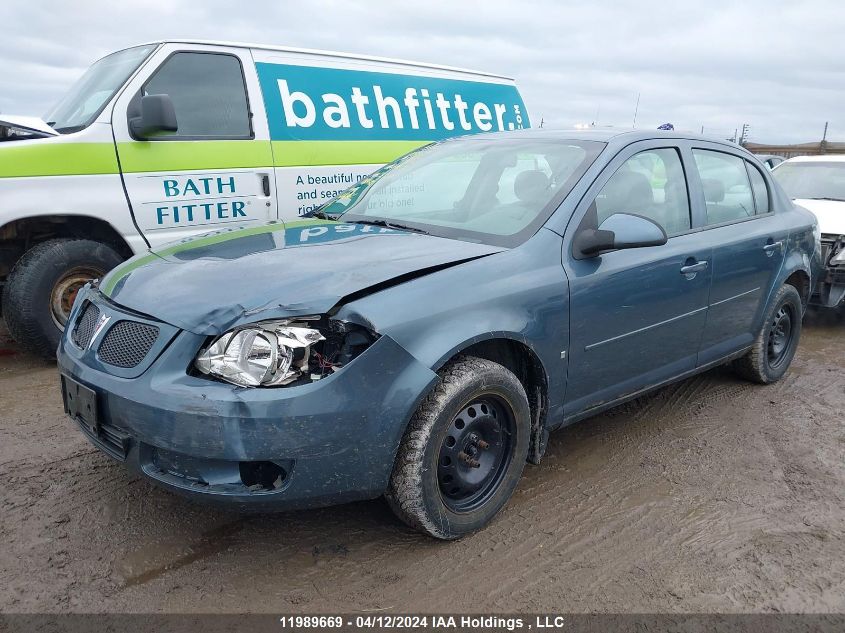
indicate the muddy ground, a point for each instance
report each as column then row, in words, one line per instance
column 709, row 495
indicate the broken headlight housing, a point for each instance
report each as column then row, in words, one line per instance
column 282, row 352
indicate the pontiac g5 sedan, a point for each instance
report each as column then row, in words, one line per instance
column 420, row 336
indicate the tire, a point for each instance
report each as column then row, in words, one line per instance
column 463, row 406
column 773, row 350
column 54, row 269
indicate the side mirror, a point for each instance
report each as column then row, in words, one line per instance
column 157, row 115
column 620, row 230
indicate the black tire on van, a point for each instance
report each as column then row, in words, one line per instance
column 43, row 284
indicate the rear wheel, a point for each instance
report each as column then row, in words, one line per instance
column 43, row 285
column 776, row 343
column 463, row 452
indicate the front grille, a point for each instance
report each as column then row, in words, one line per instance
column 81, row 334
column 127, row 343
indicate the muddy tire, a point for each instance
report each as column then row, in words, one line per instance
column 42, row 286
column 463, row 452
column 774, row 348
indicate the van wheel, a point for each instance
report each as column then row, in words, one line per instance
column 42, row 287
column 774, row 348
column 463, row 452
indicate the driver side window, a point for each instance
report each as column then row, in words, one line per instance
column 651, row 184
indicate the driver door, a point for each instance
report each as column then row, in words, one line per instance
column 216, row 170
column 636, row 315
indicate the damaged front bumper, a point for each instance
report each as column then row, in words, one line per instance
column 830, row 291
column 326, row 442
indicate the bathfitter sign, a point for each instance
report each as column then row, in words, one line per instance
column 306, row 103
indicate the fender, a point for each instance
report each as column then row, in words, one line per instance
column 456, row 319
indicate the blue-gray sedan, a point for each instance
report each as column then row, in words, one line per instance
column 419, row 336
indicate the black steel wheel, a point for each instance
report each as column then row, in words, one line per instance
column 780, row 336
column 476, row 452
column 774, row 348
column 464, row 450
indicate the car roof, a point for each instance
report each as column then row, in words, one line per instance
column 616, row 135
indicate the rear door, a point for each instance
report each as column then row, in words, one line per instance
column 216, row 170
column 749, row 244
column 636, row 315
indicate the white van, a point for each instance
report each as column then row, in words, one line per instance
column 166, row 140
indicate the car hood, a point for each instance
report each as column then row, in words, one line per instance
column 830, row 214
column 214, row 282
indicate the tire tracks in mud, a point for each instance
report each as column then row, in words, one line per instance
column 709, row 495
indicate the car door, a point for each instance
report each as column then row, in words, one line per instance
column 636, row 315
column 749, row 244
column 216, row 169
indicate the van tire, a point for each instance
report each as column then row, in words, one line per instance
column 30, row 287
column 469, row 387
column 766, row 362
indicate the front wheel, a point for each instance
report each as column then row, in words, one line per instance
column 42, row 287
column 774, row 348
column 463, row 452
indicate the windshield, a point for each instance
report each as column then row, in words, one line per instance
column 810, row 180
column 493, row 190
column 90, row 94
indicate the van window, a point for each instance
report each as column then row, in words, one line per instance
column 759, row 189
column 727, row 190
column 208, row 94
column 651, row 184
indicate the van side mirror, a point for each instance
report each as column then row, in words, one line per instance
column 620, row 230
column 157, row 115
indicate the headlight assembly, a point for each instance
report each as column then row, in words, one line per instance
column 278, row 353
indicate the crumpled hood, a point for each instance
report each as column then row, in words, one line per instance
column 830, row 214
column 211, row 283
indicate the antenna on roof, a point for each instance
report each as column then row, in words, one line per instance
column 636, row 108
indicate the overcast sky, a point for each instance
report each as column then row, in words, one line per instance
column 778, row 66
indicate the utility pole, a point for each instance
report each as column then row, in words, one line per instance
column 823, row 144
column 744, row 138
column 636, row 108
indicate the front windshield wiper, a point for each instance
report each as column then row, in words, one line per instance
column 318, row 213
column 827, row 198
column 391, row 225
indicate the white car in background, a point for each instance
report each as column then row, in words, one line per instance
column 817, row 183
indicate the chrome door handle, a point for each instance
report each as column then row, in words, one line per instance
column 693, row 268
column 770, row 248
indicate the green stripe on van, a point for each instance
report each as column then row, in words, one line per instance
column 56, row 159
column 312, row 153
column 80, row 159
column 150, row 156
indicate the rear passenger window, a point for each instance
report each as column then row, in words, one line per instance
column 205, row 108
column 759, row 189
column 727, row 190
column 651, row 184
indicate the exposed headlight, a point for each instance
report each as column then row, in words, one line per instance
column 268, row 354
